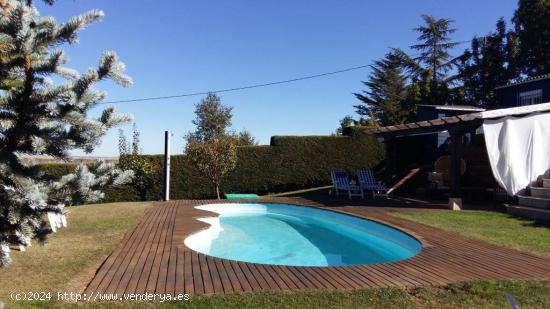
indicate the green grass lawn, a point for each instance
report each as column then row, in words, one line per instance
column 494, row 227
column 483, row 294
column 70, row 257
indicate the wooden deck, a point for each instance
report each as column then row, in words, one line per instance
column 153, row 258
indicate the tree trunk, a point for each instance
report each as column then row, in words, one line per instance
column 218, row 192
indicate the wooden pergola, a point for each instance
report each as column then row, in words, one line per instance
column 457, row 126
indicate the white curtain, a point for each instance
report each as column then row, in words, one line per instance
column 519, row 150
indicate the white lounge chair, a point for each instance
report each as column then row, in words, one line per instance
column 340, row 182
column 368, row 182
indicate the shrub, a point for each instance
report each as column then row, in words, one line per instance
column 144, row 173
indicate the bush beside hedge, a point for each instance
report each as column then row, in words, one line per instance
column 289, row 163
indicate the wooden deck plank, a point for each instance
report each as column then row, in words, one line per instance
column 313, row 278
column 152, row 257
column 327, row 280
column 189, row 283
column 164, row 266
column 254, row 284
column 123, row 275
column 243, row 280
column 263, row 278
column 216, row 281
column 291, row 282
column 308, row 283
column 232, row 276
column 143, row 281
column 345, row 281
column 224, row 277
column 160, row 266
column 277, row 277
column 352, row 275
column 206, row 275
column 179, row 286
column 198, row 284
column 171, row 273
column 105, row 274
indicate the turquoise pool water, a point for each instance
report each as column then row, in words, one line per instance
column 281, row 234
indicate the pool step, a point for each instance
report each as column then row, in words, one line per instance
column 540, row 192
column 534, row 202
column 528, row 212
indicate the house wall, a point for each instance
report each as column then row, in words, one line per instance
column 508, row 97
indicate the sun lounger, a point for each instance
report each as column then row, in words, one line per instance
column 368, row 182
column 341, row 182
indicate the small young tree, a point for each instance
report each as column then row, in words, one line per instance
column 211, row 148
column 214, row 158
column 135, row 140
column 144, row 173
column 345, row 123
column 123, row 146
column 245, row 138
column 130, row 159
column 212, row 118
column 40, row 117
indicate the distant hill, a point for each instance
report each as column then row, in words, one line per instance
column 36, row 159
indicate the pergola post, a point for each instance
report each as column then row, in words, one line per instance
column 455, row 200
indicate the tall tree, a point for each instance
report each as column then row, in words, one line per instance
column 532, row 25
column 434, row 62
column 40, row 117
column 387, row 97
column 435, row 45
column 490, row 62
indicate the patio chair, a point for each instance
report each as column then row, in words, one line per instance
column 340, row 182
column 368, row 182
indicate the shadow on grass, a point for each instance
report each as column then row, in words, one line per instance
column 531, row 222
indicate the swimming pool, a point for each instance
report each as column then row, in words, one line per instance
column 282, row 234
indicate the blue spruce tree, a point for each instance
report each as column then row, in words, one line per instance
column 40, row 117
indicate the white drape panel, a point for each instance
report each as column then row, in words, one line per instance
column 518, row 149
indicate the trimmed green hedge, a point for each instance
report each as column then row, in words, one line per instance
column 289, row 163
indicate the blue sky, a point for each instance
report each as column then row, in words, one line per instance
column 181, row 46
